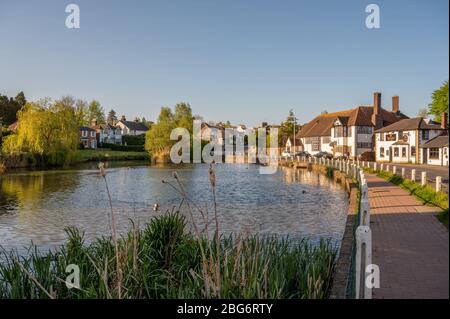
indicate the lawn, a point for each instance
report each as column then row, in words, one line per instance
column 108, row 155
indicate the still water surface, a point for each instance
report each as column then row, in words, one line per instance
column 37, row 205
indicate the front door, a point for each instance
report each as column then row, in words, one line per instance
column 390, row 154
column 424, row 155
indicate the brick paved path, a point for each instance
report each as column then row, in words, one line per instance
column 410, row 245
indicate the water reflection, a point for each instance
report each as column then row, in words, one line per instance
column 38, row 205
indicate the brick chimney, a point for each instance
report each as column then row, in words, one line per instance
column 377, row 119
column 444, row 121
column 395, row 104
column 123, row 118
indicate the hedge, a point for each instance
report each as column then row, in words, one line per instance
column 124, row 148
column 133, row 139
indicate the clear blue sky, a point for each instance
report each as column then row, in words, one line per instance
column 243, row 61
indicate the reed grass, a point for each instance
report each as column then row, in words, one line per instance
column 165, row 259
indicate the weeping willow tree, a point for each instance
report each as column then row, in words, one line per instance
column 46, row 130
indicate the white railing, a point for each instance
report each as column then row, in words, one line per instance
column 363, row 257
column 424, row 180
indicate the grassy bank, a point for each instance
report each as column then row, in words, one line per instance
column 426, row 194
column 25, row 160
column 164, row 260
column 108, row 155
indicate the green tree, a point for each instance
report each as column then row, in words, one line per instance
column 81, row 113
column 48, row 130
column 439, row 103
column 96, row 112
column 157, row 139
column 183, row 116
column 112, row 117
column 287, row 128
column 20, row 99
column 9, row 107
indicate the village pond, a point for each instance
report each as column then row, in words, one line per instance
column 36, row 206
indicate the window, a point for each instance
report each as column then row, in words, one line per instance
column 315, row 141
column 92, row 134
column 381, row 151
column 349, row 131
column 403, row 151
column 387, row 152
column 364, row 129
column 308, row 140
column 84, row 133
column 396, row 151
column 413, row 151
column 425, row 134
column 326, row 139
column 391, row 137
column 382, row 137
column 434, row 153
column 364, row 145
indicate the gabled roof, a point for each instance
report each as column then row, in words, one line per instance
column 86, row 128
column 360, row 116
column 134, row 126
column 298, row 142
column 437, row 142
column 415, row 123
column 104, row 126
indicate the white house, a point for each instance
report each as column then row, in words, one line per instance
column 350, row 132
column 436, row 151
column 210, row 132
column 106, row 133
column 131, row 127
column 401, row 142
column 290, row 148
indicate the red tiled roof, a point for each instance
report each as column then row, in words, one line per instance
column 13, row 127
column 359, row 116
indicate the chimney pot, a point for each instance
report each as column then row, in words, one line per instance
column 377, row 119
column 395, row 104
column 444, row 123
column 377, row 103
column 123, row 118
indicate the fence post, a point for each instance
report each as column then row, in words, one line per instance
column 364, row 213
column 438, row 183
column 413, row 175
column 424, row 178
column 375, row 166
column 363, row 243
column 387, row 168
column 381, row 166
column 403, row 172
column 394, row 170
